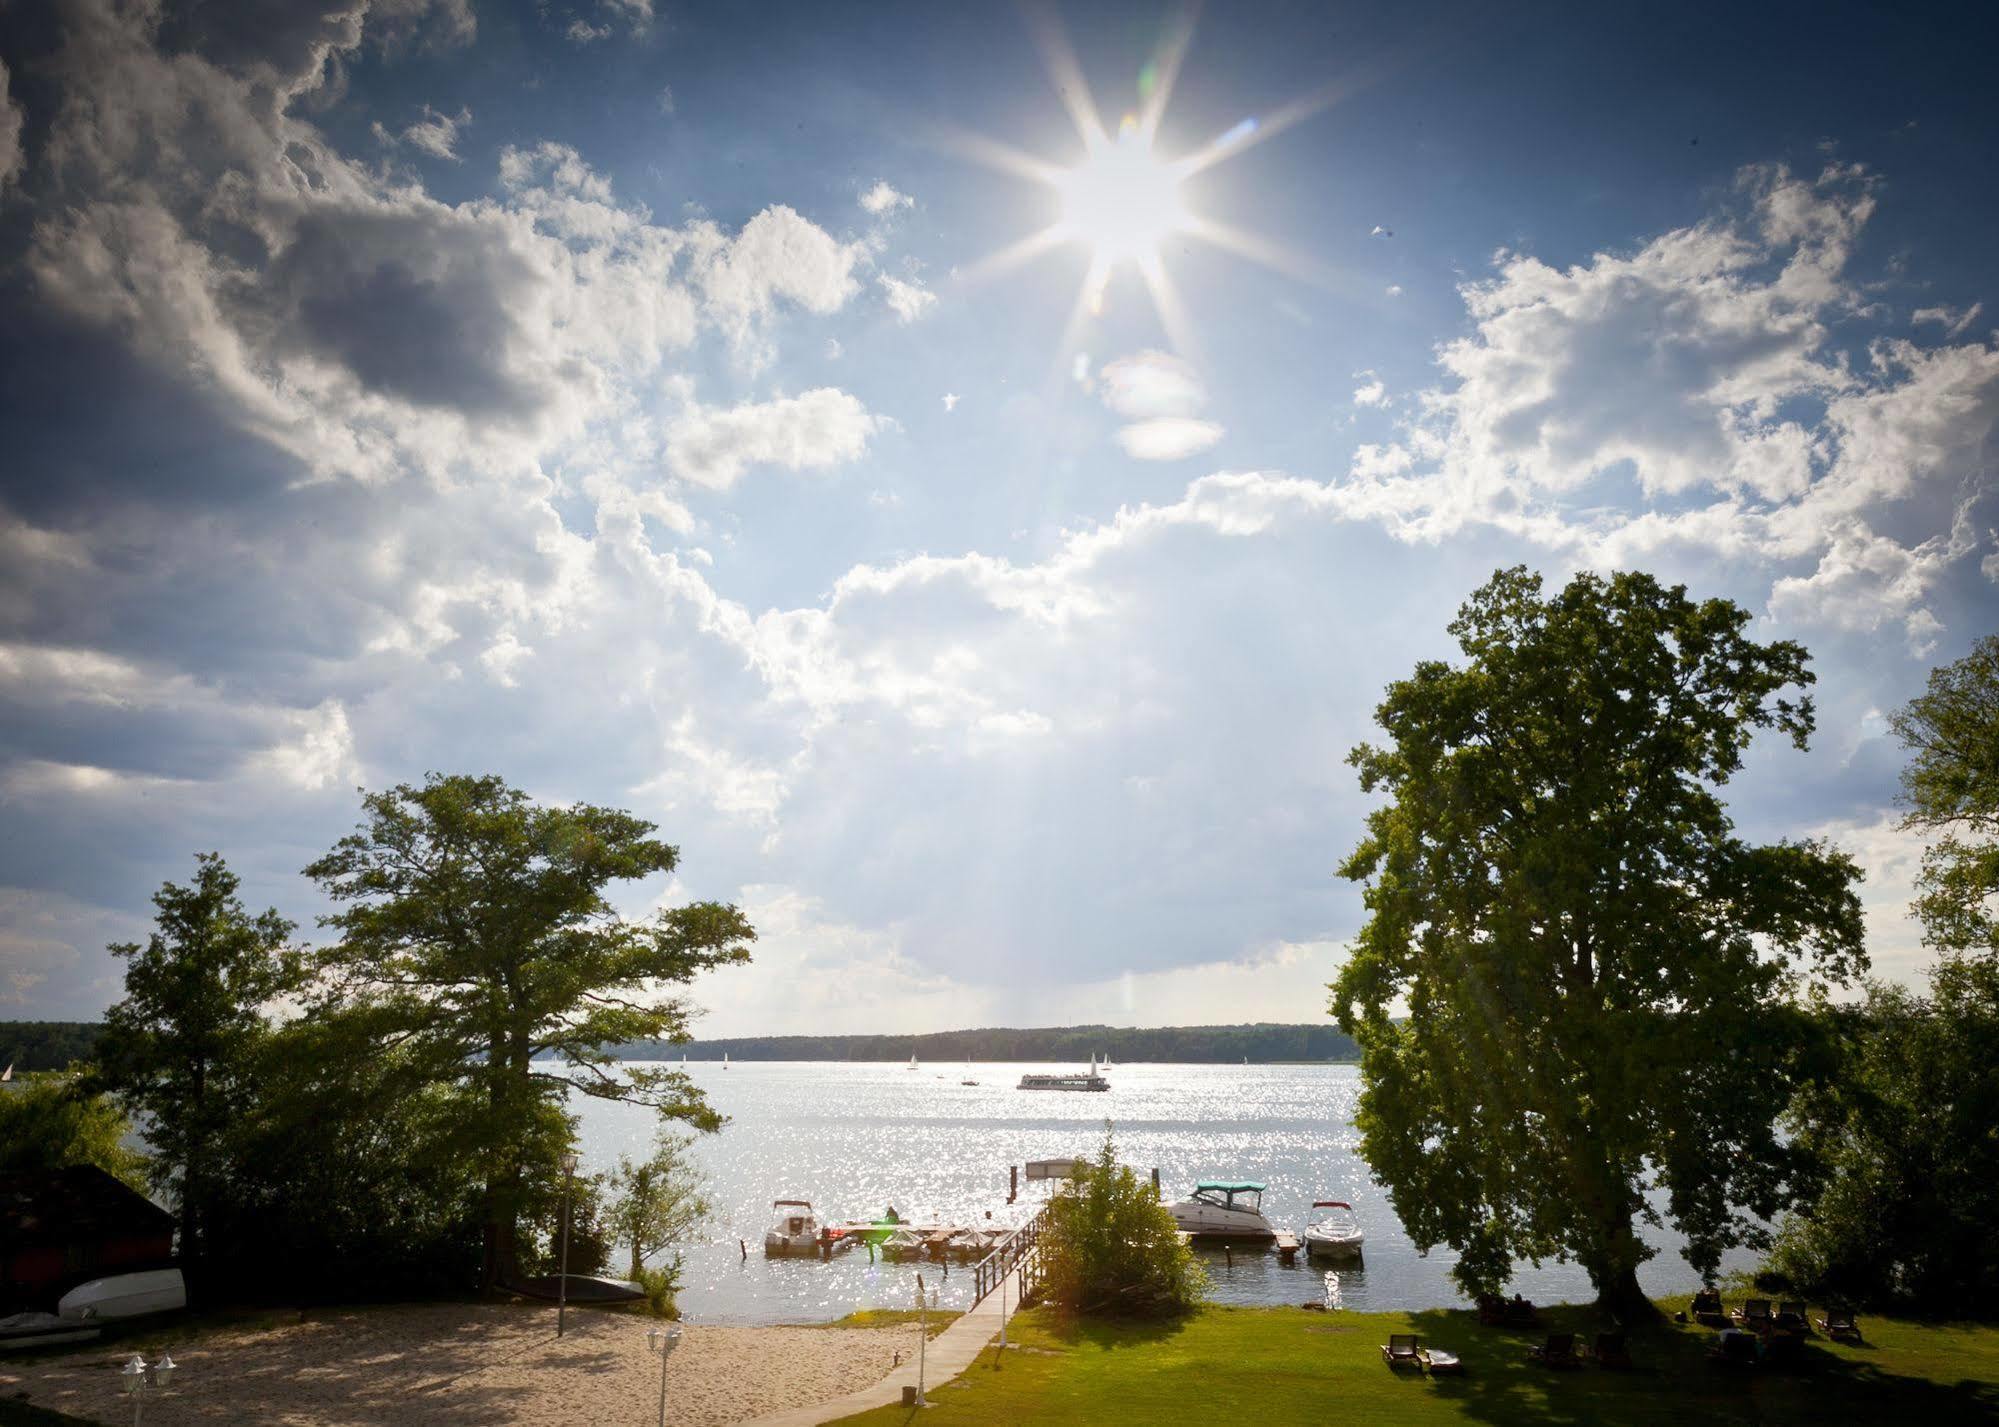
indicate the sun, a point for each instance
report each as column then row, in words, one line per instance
column 1123, row 200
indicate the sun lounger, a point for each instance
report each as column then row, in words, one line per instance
column 1495, row 1311
column 1403, row 1350
column 1790, row 1318
column 1558, row 1352
column 1706, row 1307
column 1840, row 1324
column 1611, row 1352
column 1753, row 1316
column 1436, row 1360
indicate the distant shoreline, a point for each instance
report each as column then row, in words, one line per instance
column 1260, row 1043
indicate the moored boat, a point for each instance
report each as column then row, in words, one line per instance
column 124, row 1295
column 1334, row 1235
column 795, row 1230
column 1224, row 1209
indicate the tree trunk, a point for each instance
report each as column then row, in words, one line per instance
column 1624, row 1300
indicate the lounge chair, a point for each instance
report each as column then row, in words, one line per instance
column 1790, row 1318
column 1436, row 1360
column 1840, row 1324
column 1495, row 1311
column 1403, row 1350
column 1611, row 1352
column 1558, row 1352
column 1736, row 1349
column 1706, row 1307
column 1753, row 1316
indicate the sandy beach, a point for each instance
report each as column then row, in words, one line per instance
column 449, row 1364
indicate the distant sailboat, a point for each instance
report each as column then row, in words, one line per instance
column 912, row 1064
column 725, row 1060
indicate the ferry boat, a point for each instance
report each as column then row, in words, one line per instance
column 1081, row 1080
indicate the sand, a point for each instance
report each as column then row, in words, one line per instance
column 452, row 1364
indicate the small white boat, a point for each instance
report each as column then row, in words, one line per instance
column 903, row 1243
column 1335, row 1235
column 1224, row 1209
column 124, row 1295
column 725, row 1060
column 796, row 1230
column 42, row 1330
column 912, row 1064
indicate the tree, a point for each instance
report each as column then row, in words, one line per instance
column 1951, row 788
column 1109, row 1247
column 477, row 937
column 1909, row 1213
column 179, row 1047
column 657, row 1202
column 1600, row 979
column 50, row 1120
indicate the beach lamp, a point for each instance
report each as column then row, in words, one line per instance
column 661, row 1345
column 924, row 1303
column 137, row 1378
column 562, row 1273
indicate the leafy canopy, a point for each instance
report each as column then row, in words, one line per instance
column 179, row 1047
column 1599, row 978
column 49, row 1120
column 477, row 937
column 1109, row 1247
column 1951, row 787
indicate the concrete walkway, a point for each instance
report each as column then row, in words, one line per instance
column 949, row 1353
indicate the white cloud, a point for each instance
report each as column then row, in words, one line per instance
column 1954, row 323
column 882, row 199
column 712, row 446
column 909, row 299
column 950, row 401
column 1394, row 289
column 437, row 134
column 1168, row 438
column 1372, row 391
column 1151, row 384
column 582, row 32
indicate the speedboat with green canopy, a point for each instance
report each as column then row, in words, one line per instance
column 1224, row 1209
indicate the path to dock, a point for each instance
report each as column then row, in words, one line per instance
column 950, row 1353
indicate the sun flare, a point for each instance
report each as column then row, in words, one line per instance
column 1123, row 200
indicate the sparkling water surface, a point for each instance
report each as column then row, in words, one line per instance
column 856, row 1138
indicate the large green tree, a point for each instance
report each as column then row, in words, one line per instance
column 1951, row 789
column 51, row 1119
column 180, row 1048
column 1577, row 991
column 477, row 937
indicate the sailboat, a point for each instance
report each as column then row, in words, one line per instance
column 725, row 1060
column 912, row 1064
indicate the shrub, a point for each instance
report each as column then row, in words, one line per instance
column 1110, row 1248
column 662, row 1286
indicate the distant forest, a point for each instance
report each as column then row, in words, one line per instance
column 46, row 1045
column 1262, row 1043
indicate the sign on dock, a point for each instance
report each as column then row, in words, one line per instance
column 1054, row 1168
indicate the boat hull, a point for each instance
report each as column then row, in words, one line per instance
column 1206, row 1221
column 779, row 1246
column 124, row 1295
column 1328, row 1247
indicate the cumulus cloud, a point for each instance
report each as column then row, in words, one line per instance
column 883, row 199
column 1702, row 366
column 712, row 446
column 436, row 134
column 908, row 300
column 1372, row 391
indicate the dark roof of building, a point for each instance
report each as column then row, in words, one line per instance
column 78, row 1202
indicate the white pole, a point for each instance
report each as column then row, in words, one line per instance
column 922, row 1339
column 662, row 1389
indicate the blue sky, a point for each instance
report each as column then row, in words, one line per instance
column 638, row 400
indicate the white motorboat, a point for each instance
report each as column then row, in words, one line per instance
column 1224, row 1209
column 124, row 1295
column 796, row 1230
column 43, row 1330
column 1335, row 1235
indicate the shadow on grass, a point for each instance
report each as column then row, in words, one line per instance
column 1673, row 1380
column 1075, row 1331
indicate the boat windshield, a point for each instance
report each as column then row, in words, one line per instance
column 1230, row 1196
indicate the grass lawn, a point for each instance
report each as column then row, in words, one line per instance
column 1276, row 1366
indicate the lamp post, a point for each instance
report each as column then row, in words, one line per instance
column 138, row 1377
column 562, row 1276
column 924, row 1303
column 662, row 1345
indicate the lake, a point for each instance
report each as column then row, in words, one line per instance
column 856, row 1138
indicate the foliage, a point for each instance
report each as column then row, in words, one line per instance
column 1600, row 978
column 47, row 1045
column 1909, row 1212
column 590, row 1233
column 1951, row 786
column 657, row 1202
column 49, row 1121
column 178, row 1047
column 662, row 1287
column 476, row 935
column 1260, row 1044
column 1109, row 1247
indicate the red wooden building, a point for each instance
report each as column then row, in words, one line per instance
column 59, row 1227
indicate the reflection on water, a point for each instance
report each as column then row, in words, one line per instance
column 855, row 1139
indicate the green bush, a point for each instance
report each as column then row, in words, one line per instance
column 662, row 1286
column 51, row 1120
column 1109, row 1248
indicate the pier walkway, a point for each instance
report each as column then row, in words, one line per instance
column 949, row 1354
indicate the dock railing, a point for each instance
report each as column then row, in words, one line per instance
column 1018, row 1249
